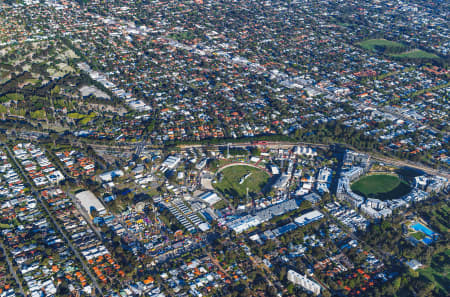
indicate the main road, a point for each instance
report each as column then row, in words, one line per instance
column 11, row 269
column 55, row 223
column 286, row 145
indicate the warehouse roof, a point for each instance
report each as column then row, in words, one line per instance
column 89, row 201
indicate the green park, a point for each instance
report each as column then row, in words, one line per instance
column 233, row 181
column 381, row 186
column 395, row 49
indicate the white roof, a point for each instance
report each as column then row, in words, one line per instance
column 309, row 217
column 88, row 200
column 108, row 176
column 203, row 227
column 209, row 197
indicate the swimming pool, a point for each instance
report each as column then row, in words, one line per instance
column 422, row 228
column 427, row 240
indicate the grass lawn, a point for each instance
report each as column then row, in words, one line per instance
column 221, row 204
column 420, row 92
column 75, row 115
column 216, row 164
column 395, row 49
column 59, row 147
column 418, row 235
column 82, row 119
column 416, row 54
column 151, row 191
column 380, row 186
column 230, row 182
column 439, row 271
column 441, row 219
column 371, row 44
column 440, row 280
column 183, row 36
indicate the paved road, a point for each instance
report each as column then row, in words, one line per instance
column 268, row 144
column 141, row 146
column 281, row 76
column 260, row 264
column 39, row 198
column 84, row 214
column 424, row 168
column 380, row 253
column 286, row 145
column 11, row 269
column 217, row 263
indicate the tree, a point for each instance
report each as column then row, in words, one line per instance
column 290, row 288
column 282, row 272
column 55, row 90
column 397, row 283
column 413, row 273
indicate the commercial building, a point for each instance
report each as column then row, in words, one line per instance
column 307, row 151
column 282, row 182
column 420, row 182
column 110, row 175
column 309, row 217
column 274, row 169
column 244, row 223
column 304, row 282
column 209, row 197
column 279, row 209
column 171, row 162
column 414, row 264
column 375, row 213
column 324, row 175
column 89, row 202
column 353, row 173
column 312, row 197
